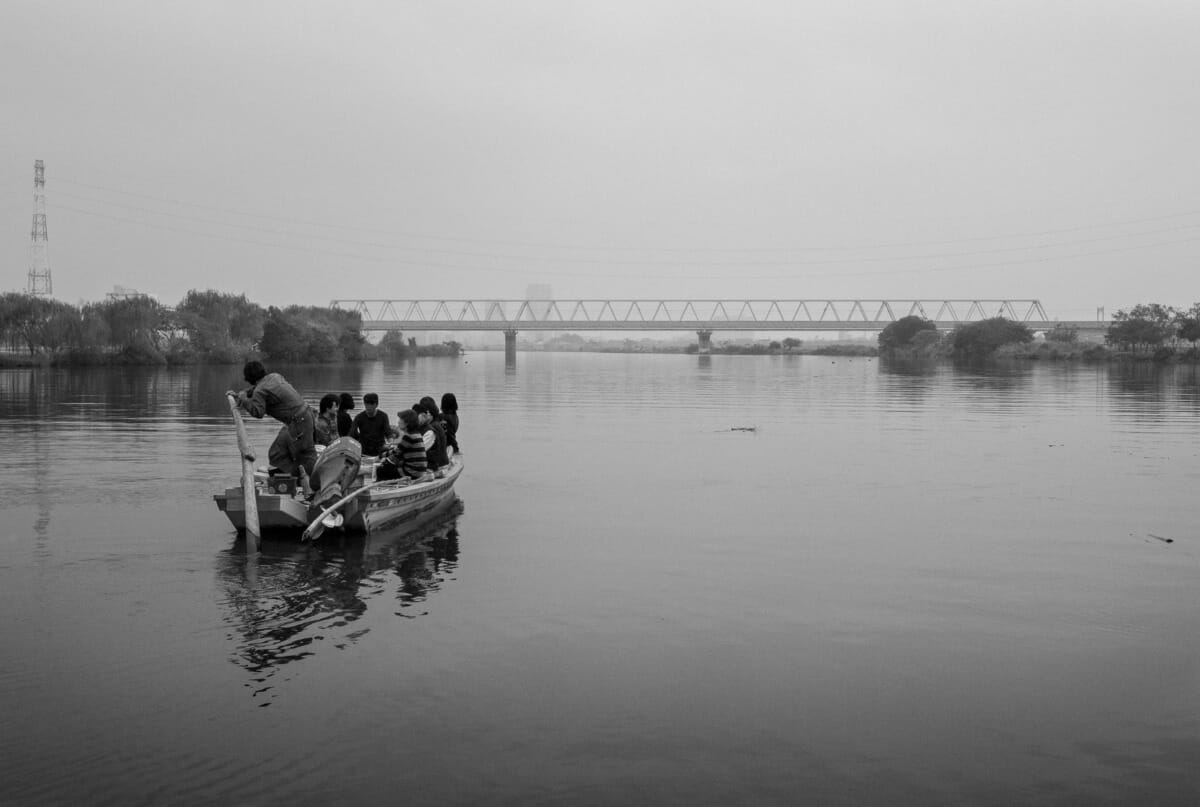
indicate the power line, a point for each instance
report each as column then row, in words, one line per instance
column 629, row 262
column 456, row 267
column 611, row 248
column 1044, row 259
column 291, row 247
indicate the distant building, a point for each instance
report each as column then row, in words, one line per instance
column 539, row 292
column 124, row 293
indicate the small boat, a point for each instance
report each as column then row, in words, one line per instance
column 340, row 473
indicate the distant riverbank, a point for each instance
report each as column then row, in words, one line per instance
column 1081, row 352
column 1033, row 351
column 1037, row 350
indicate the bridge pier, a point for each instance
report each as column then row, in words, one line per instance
column 705, row 341
column 510, row 345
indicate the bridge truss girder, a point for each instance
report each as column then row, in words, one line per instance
column 679, row 315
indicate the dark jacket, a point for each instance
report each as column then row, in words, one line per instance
column 273, row 396
column 450, row 423
column 436, row 455
column 372, row 432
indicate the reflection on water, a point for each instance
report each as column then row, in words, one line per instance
column 104, row 394
column 1142, row 391
column 295, row 598
column 1148, row 393
column 890, row 365
column 1144, row 382
column 43, row 490
column 915, row 583
column 1002, row 376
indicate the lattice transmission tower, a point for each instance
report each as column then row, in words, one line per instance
column 39, row 264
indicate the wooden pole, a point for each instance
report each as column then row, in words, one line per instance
column 248, row 495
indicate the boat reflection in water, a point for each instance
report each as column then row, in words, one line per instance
column 294, row 598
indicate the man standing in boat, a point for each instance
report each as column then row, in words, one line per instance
column 271, row 394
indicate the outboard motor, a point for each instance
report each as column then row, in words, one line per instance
column 335, row 471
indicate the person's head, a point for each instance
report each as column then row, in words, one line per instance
column 410, row 420
column 430, row 407
column 327, row 402
column 253, row 372
column 449, row 402
column 346, row 402
column 370, row 403
column 422, row 411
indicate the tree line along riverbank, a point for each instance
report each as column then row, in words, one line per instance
column 1153, row 332
column 214, row 327
column 205, row 327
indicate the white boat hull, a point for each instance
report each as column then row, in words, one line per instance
column 382, row 507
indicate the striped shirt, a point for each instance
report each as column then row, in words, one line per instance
column 411, row 451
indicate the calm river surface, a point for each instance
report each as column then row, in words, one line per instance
column 911, row 585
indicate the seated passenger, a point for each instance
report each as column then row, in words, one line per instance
column 411, row 448
column 325, row 427
column 389, row 464
column 430, row 421
column 345, row 421
column 371, row 427
column 450, row 420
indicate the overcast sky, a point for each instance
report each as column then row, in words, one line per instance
column 303, row 151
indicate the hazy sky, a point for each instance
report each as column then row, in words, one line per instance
column 302, row 151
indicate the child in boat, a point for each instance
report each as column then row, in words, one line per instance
column 406, row 459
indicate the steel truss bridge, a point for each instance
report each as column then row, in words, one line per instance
column 701, row 316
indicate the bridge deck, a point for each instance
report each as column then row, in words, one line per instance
column 716, row 325
column 684, row 315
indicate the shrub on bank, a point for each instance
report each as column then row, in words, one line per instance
column 140, row 354
column 1065, row 334
column 984, row 338
column 1056, row 351
column 901, row 333
column 1036, row 352
column 777, row 349
column 1143, row 327
column 844, row 350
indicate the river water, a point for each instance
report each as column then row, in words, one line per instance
column 908, row 585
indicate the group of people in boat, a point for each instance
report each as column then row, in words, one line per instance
column 420, row 448
column 423, row 445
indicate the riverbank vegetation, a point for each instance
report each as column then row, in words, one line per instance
column 917, row 337
column 796, row 348
column 1145, row 332
column 205, row 327
column 574, row 343
column 216, row 327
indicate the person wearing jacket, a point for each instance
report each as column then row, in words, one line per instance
column 430, row 421
column 271, row 394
